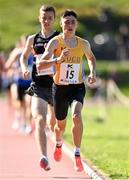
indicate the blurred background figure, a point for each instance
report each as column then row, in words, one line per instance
column 122, row 40
column 98, row 94
column 114, row 94
column 17, row 87
column 105, row 19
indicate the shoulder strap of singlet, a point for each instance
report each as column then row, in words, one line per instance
column 37, row 34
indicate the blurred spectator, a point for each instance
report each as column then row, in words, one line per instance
column 99, row 95
column 122, row 40
column 106, row 19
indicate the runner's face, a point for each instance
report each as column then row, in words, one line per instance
column 69, row 24
column 46, row 18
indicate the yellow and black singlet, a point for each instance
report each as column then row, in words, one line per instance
column 70, row 71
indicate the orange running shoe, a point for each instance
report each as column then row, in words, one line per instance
column 78, row 166
column 58, row 153
column 44, row 164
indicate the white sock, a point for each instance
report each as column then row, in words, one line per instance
column 59, row 143
column 77, row 151
column 44, row 157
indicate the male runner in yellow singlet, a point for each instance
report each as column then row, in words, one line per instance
column 69, row 88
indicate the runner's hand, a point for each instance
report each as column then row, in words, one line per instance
column 91, row 79
column 26, row 74
column 65, row 52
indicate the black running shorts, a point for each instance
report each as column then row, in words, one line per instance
column 64, row 95
column 21, row 93
column 43, row 92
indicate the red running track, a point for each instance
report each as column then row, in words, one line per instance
column 19, row 157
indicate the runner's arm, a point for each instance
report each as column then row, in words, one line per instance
column 46, row 61
column 12, row 58
column 25, row 55
column 91, row 62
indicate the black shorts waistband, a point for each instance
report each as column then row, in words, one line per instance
column 69, row 85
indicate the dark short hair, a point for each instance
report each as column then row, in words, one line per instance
column 48, row 8
column 69, row 12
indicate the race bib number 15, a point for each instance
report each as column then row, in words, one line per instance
column 69, row 73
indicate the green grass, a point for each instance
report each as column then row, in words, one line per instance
column 105, row 144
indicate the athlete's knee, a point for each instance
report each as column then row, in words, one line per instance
column 60, row 125
column 76, row 117
column 40, row 121
column 51, row 120
column 77, row 120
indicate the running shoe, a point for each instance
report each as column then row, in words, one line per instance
column 78, row 166
column 28, row 130
column 58, row 153
column 44, row 164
